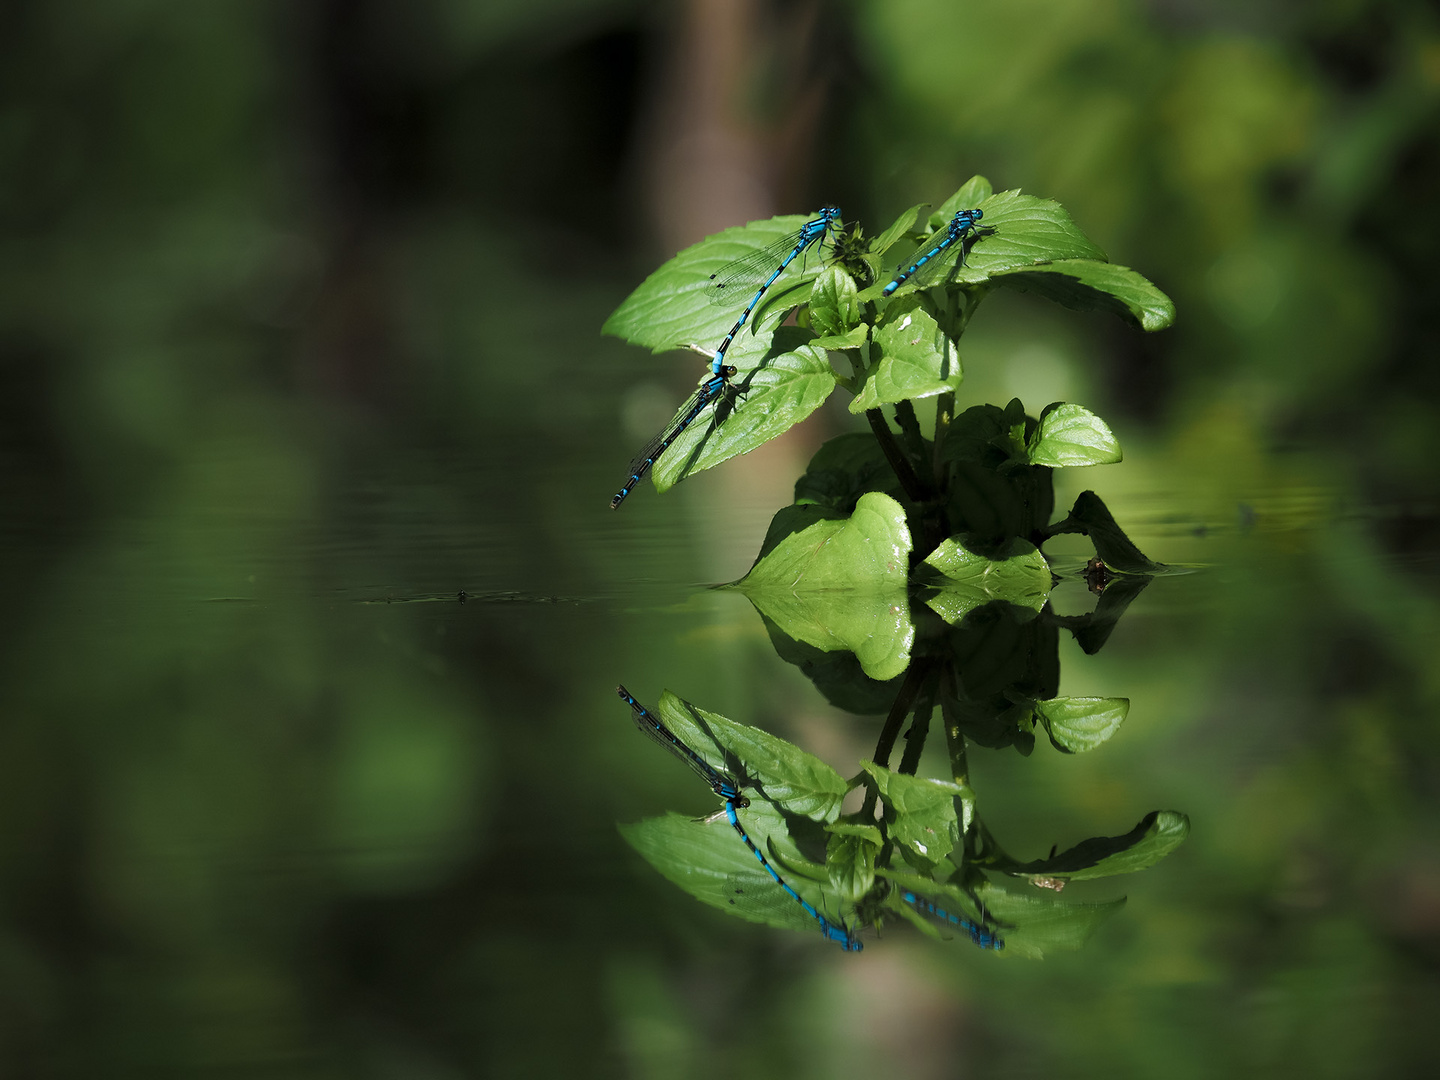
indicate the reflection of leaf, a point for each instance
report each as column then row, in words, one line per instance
column 968, row 581
column 1032, row 926
column 672, row 308
column 850, row 859
column 1093, row 629
column 837, row 675
column 786, row 775
column 840, row 584
column 1041, row 924
column 1072, row 435
column 1085, row 285
column 779, row 388
column 1077, row 724
column 923, row 811
column 1159, row 833
column 710, row 862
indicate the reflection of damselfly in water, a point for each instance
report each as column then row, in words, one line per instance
column 711, row 390
column 758, row 271
column 725, row 785
column 960, row 224
column 980, row 933
column 722, row 783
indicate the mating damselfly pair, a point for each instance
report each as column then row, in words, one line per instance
column 758, row 271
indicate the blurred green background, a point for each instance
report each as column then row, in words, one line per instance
column 299, row 311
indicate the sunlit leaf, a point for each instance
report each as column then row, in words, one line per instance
column 853, row 339
column 967, row 581
column 833, row 308
column 903, row 224
column 1016, row 232
column 1077, row 724
column 971, row 194
column 1070, row 435
column 840, row 583
column 916, row 359
column 777, row 389
column 671, row 308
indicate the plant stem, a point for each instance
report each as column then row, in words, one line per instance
column 909, row 481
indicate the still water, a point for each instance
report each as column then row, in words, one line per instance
column 277, row 801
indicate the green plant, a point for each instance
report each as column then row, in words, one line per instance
column 908, row 574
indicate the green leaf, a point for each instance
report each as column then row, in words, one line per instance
column 870, row 833
column 851, row 340
column 778, row 388
column 1017, row 232
column 967, row 581
column 1032, row 926
column 1090, row 516
column 924, row 818
column 783, row 773
column 1021, row 230
column 971, row 194
column 843, row 469
column 1037, row 925
column 917, row 360
column 942, row 893
column 850, row 860
column 1077, row 724
column 1158, row 833
column 837, row 675
column 711, row 863
column 841, row 584
column 1087, row 285
column 671, row 308
column 1070, row 435
column 903, row 224
column 833, row 308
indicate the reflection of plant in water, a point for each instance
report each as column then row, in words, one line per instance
column 953, row 515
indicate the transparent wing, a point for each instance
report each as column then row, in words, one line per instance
column 736, row 282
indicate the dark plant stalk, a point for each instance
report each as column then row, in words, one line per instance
column 909, row 481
